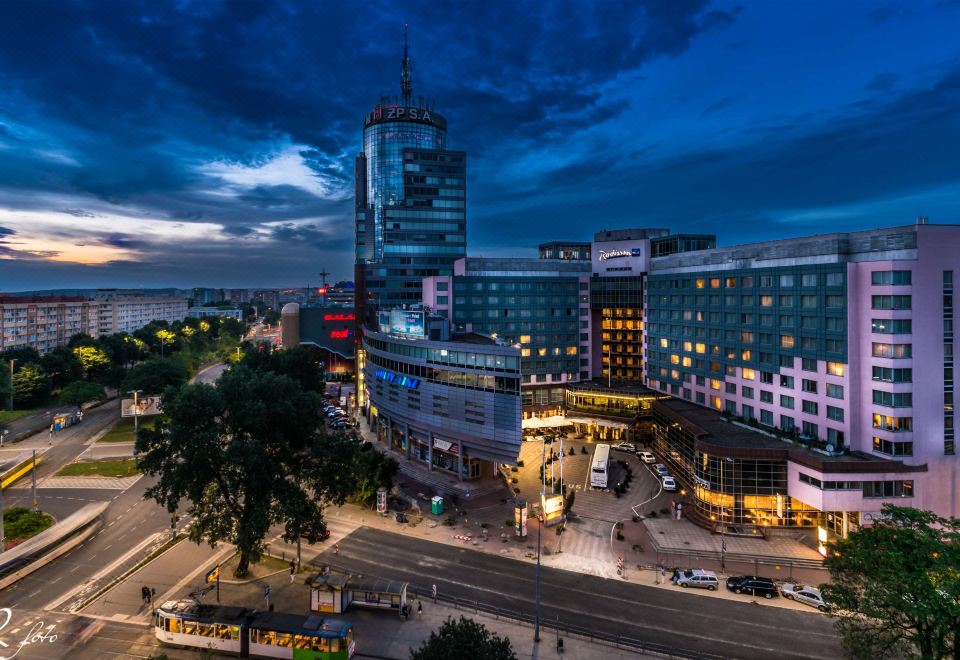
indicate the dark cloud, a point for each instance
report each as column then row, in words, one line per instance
column 6, row 231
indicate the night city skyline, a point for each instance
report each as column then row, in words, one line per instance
column 209, row 144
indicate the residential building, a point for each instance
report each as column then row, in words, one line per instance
column 215, row 312
column 129, row 314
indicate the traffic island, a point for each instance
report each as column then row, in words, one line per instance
column 116, row 468
column 20, row 524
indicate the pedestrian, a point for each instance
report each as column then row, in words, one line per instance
column 433, row 590
column 336, row 549
column 51, row 434
column 293, row 569
column 419, row 609
column 145, row 594
column 679, row 510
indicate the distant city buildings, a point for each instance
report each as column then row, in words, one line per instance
column 46, row 322
column 215, row 312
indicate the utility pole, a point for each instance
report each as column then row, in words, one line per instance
column 3, row 540
column 323, row 287
column 36, row 504
column 11, row 383
column 136, row 412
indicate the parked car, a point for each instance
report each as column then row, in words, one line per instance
column 753, row 585
column 696, row 577
column 625, row 446
column 803, row 594
column 647, row 457
column 668, row 483
column 661, row 469
column 315, row 535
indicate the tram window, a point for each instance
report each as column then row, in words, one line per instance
column 223, row 632
column 334, row 646
column 284, row 639
column 300, row 642
column 172, row 625
column 266, row 637
column 189, row 627
column 205, row 630
column 235, row 632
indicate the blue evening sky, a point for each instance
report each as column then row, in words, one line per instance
column 212, row 143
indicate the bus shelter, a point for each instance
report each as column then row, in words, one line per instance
column 335, row 593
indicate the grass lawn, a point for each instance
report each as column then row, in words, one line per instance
column 111, row 468
column 264, row 567
column 10, row 415
column 20, row 523
column 123, row 430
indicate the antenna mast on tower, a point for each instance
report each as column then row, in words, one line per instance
column 406, row 82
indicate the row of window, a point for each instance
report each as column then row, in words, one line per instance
column 836, row 301
column 948, row 414
column 893, row 399
column 785, row 280
column 892, row 488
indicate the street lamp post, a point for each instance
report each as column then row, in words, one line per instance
column 543, row 483
column 136, row 412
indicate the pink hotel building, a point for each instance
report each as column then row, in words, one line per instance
column 812, row 378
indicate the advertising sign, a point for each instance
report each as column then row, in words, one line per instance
column 520, row 517
column 146, row 405
column 405, row 322
column 552, row 508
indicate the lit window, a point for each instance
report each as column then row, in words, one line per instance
column 524, row 339
column 714, row 384
column 835, row 368
column 541, row 352
column 715, row 402
column 687, row 362
column 745, row 356
column 701, row 348
column 524, row 352
column 674, row 359
column 714, row 282
column 571, row 350
column 747, row 374
column 688, row 346
column 663, row 342
column 700, row 284
column 786, row 341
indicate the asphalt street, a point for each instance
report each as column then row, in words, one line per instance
column 675, row 618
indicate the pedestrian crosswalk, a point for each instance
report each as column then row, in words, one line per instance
column 95, row 483
column 587, row 539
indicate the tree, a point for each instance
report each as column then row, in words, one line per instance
column 154, row 376
column 62, row 367
column 300, row 363
column 464, row 639
column 165, row 338
column 31, row 385
column 374, row 470
column 79, row 392
column 895, row 586
column 246, row 455
column 93, row 359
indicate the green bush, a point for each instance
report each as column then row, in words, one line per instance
column 514, row 480
column 519, row 464
column 516, row 490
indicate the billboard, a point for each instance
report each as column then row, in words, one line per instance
column 404, row 322
column 146, row 405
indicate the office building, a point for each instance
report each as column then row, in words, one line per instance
column 830, row 357
column 410, row 200
column 571, row 250
column 540, row 305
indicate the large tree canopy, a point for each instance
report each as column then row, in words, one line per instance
column 895, row 587
column 247, row 454
column 300, row 363
column 464, row 639
column 155, row 376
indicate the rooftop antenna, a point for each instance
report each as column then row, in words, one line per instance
column 323, row 287
column 406, row 83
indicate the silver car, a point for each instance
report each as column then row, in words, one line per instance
column 696, row 577
column 803, row 594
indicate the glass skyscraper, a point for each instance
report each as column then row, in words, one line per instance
column 410, row 200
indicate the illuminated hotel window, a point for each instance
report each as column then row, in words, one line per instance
column 674, row 359
column 714, row 384
column 715, row 402
column 835, row 368
column 700, row 284
column 688, row 346
column 524, row 339
column 747, row 374
column 525, row 352
column 687, row 362
column 663, row 342
column 745, row 356
column 701, row 348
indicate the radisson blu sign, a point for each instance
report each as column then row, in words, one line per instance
column 618, row 254
column 398, row 379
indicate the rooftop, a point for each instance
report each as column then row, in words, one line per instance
column 728, row 438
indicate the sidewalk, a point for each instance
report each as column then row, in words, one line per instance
column 176, row 572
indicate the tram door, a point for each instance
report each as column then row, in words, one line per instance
column 244, row 640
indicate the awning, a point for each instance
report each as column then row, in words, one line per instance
column 597, row 422
column 547, row 423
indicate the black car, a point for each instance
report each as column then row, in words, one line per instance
column 753, row 585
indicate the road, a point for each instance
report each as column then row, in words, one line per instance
column 671, row 617
column 210, row 374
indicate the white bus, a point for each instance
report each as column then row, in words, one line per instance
column 598, row 466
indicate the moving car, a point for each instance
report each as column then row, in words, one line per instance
column 661, row 469
column 647, row 457
column 696, row 577
column 315, row 535
column 625, row 446
column 803, row 594
column 753, row 585
column 668, row 483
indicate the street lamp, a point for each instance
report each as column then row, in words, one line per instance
column 543, row 484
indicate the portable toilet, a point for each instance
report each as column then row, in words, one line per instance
column 436, row 505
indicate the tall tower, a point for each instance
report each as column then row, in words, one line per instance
column 410, row 199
